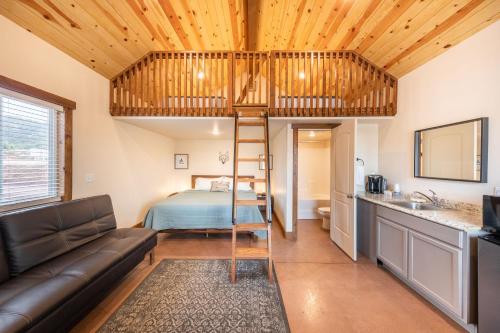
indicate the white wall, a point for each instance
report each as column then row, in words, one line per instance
column 313, row 170
column 461, row 84
column 131, row 164
column 204, row 160
column 281, row 175
column 367, row 149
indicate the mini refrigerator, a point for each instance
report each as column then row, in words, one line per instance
column 488, row 278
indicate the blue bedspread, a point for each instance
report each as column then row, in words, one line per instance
column 195, row 209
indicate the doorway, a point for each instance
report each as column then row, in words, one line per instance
column 311, row 175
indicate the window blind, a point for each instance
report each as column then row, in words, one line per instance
column 31, row 151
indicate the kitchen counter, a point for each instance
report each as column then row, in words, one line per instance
column 462, row 216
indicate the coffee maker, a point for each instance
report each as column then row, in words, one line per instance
column 376, row 184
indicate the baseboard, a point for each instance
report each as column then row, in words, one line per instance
column 287, row 235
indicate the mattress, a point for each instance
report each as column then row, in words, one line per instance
column 196, row 209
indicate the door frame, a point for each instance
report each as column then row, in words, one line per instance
column 295, row 200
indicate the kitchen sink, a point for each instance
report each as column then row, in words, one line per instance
column 415, row 205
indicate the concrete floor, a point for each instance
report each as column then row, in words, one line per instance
column 323, row 290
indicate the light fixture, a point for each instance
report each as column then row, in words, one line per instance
column 201, row 75
column 312, row 134
column 215, row 130
column 302, row 75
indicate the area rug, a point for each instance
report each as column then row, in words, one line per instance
column 197, row 296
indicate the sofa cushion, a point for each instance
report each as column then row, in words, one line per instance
column 31, row 295
column 4, row 267
column 36, row 235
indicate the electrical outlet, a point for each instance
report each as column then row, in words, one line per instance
column 497, row 191
column 89, row 178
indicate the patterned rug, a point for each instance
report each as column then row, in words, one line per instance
column 197, row 296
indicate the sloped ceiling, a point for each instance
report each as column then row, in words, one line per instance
column 109, row 35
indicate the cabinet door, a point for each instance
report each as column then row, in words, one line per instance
column 392, row 246
column 436, row 269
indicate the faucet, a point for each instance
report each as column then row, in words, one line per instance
column 433, row 199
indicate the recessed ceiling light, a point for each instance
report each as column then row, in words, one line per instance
column 312, row 134
column 201, row 75
column 302, row 75
column 215, row 130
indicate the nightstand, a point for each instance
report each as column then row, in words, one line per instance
column 262, row 208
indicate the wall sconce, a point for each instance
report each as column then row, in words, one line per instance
column 223, row 158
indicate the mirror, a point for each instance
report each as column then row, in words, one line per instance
column 456, row 151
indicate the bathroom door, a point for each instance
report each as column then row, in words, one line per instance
column 343, row 205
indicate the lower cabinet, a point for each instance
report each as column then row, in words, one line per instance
column 435, row 268
column 392, row 246
column 432, row 259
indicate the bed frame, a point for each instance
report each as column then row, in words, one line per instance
column 204, row 231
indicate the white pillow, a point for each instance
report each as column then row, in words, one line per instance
column 204, row 184
column 219, row 187
column 245, row 186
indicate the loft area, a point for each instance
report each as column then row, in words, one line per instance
column 284, row 83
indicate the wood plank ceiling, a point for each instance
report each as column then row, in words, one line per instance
column 109, row 35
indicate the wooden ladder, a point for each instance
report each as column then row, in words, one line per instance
column 259, row 118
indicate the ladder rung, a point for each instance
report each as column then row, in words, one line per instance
column 251, row 226
column 252, row 252
column 251, row 180
column 251, row 141
column 251, row 159
column 251, row 113
column 250, row 202
column 251, row 123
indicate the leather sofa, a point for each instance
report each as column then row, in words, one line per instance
column 58, row 261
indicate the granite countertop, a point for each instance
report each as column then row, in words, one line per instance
column 462, row 216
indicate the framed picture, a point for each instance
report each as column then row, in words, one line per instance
column 181, row 161
column 262, row 163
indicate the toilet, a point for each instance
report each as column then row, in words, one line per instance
column 325, row 214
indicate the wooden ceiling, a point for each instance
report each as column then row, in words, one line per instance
column 109, row 35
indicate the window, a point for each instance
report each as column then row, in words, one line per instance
column 31, row 151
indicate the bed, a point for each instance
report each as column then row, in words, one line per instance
column 201, row 210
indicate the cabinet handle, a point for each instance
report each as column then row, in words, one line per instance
column 349, row 196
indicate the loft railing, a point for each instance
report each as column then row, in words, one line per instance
column 286, row 83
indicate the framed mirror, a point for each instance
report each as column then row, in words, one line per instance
column 457, row 151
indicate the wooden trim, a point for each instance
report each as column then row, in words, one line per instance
column 68, row 107
column 313, row 126
column 287, row 235
column 295, row 170
column 201, row 231
column 31, row 91
column 194, row 177
column 68, row 154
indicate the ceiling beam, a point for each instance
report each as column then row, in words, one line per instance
column 233, row 14
column 252, row 23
